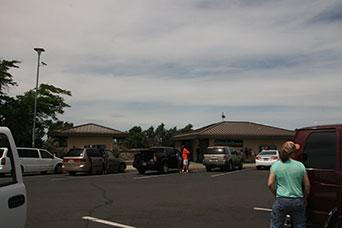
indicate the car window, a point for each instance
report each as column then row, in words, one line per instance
column 28, row 153
column 94, row 153
column 74, row 153
column 268, row 153
column 10, row 177
column 1, row 152
column 46, row 154
column 320, row 150
column 215, row 150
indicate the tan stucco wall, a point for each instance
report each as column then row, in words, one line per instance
column 255, row 144
column 252, row 144
column 83, row 141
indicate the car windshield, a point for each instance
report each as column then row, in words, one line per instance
column 74, row 153
column 215, row 151
column 268, row 153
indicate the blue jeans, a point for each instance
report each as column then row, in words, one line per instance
column 292, row 206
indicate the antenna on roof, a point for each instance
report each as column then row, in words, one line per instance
column 223, row 116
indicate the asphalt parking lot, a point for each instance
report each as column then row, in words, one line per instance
column 196, row 199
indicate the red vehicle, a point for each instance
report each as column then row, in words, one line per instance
column 321, row 153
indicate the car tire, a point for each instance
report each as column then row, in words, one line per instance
column 208, row 168
column 59, row 168
column 72, row 173
column 165, row 167
column 122, row 168
column 258, row 167
column 141, row 170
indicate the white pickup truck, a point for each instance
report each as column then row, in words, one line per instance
column 13, row 199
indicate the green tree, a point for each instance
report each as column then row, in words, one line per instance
column 6, row 79
column 136, row 138
column 17, row 113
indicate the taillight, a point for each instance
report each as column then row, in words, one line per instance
column 3, row 161
column 257, row 158
column 274, row 158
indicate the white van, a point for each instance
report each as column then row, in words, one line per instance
column 12, row 189
column 39, row 160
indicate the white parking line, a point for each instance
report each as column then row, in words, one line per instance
column 222, row 174
column 114, row 224
column 262, row 209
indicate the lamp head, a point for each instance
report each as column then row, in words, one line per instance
column 39, row 50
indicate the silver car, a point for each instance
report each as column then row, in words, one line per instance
column 223, row 157
column 87, row 160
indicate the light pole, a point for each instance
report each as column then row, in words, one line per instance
column 39, row 51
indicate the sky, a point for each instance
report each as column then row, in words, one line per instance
column 146, row 62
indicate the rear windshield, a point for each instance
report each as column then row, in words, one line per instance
column 74, row 153
column 268, row 153
column 1, row 152
column 215, row 151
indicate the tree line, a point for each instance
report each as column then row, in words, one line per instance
column 16, row 113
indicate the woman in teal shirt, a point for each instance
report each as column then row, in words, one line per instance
column 285, row 181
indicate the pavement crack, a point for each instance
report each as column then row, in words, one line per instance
column 106, row 200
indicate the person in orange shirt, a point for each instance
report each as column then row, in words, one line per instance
column 185, row 155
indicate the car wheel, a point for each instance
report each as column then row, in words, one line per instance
column 258, row 167
column 165, row 167
column 141, row 170
column 122, row 168
column 208, row 168
column 59, row 168
column 72, row 173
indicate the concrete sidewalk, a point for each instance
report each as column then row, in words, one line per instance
column 198, row 166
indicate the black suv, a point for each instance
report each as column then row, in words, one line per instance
column 156, row 158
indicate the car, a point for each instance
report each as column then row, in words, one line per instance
column 321, row 153
column 156, row 158
column 5, row 162
column 111, row 163
column 38, row 160
column 266, row 158
column 13, row 201
column 224, row 157
column 85, row 160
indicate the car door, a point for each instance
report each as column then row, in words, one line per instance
column 46, row 160
column 319, row 154
column 12, row 189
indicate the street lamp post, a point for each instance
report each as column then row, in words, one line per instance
column 39, row 51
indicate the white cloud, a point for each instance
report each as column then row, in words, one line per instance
column 198, row 57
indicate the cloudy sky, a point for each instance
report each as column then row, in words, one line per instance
column 145, row 62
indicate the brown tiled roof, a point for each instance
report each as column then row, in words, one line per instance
column 90, row 129
column 234, row 129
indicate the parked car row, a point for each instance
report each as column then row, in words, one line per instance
column 88, row 160
column 92, row 161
